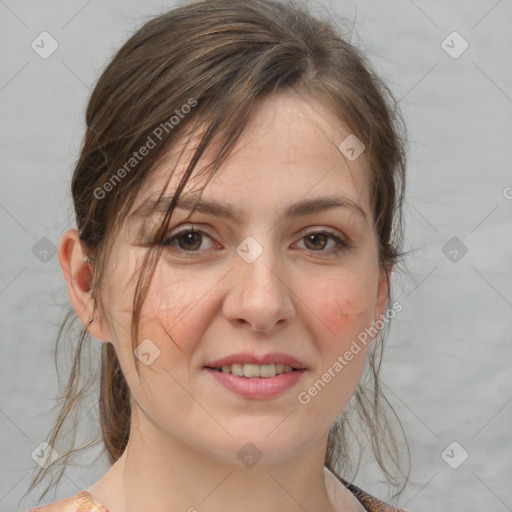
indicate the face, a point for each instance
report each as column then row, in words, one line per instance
column 279, row 288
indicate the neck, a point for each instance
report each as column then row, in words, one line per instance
column 159, row 473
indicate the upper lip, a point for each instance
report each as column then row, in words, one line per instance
column 246, row 358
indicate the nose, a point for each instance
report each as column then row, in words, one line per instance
column 259, row 297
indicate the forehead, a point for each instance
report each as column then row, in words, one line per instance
column 290, row 150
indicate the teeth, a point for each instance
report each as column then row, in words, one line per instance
column 256, row 370
column 267, row 370
column 237, row 369
column 252, row 370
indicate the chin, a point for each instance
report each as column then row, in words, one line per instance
column 270, row 440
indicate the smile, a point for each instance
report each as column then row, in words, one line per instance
column 256, row 387
column 255, row 370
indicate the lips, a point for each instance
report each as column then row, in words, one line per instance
column 265, row 387
column 257, row 388
column 266, row 359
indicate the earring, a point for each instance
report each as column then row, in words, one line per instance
column 91, row 320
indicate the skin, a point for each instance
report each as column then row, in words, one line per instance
column 298, row 298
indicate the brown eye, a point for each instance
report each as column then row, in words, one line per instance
column 189, row 240
column 318, row 241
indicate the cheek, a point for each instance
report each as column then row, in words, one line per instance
column 344, row 307
column 176, row 312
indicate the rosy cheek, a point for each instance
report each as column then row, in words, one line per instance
column 342, row 313
column 175, row 319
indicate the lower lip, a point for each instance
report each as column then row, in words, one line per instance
column 259, row 387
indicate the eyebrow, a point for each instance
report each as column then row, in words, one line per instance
column 225, row 211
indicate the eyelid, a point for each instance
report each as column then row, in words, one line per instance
column 188, row 227
column 317, row 229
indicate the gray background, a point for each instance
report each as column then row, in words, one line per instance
column 449, row 356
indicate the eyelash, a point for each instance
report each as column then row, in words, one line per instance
column 340, row 247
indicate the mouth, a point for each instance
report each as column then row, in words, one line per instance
column 256, row 382
column 253, row 371
column 256, row 377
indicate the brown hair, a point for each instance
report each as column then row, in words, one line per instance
column 220, row 57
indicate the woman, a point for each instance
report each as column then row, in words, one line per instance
column 238, row 201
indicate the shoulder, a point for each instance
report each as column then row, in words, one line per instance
column 369, row 502
column 81, row 502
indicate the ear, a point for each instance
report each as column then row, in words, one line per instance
column 78, row 273
column 382, row 292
